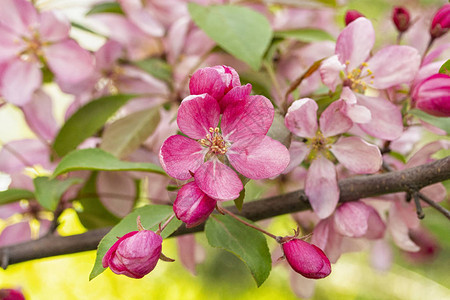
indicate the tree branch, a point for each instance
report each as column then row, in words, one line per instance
column 351, row 189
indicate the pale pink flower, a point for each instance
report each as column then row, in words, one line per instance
column 351, row 66
column 26, row 38
column 353, row 152
column 241, row 139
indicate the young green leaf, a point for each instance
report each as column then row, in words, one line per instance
column 306, row 35
column 106, row 7
column 151, row 217
column 125, row 135
column 97, row 159
column 445, row 68
column 49, row 191
column 240, row 31
column 93, row 213
column 246, row 243
column 87, row 121
column 440, row 122
column 156, row 67
column 13, row 195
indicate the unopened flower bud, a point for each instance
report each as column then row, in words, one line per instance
column 401, row 18
column 352, row 15
column 306, row 259
column 432, row 95
column 135, row 254
column 192, row 205
column 11, row 294
column 441, row 22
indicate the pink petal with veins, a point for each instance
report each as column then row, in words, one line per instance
column 301, row 118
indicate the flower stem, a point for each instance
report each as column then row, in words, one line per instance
column 161, row 228
column 226, row 211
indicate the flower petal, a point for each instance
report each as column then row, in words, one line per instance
column 237, row 93
column 110, row 184
column 330, row 70
column 192, row 205
column 393, row 65
column 11, row 46
column 70, row 63
column 35, row 152
column 54, row 26
column 297, row 153
column 19, row 81
column 321, row 187
column 258, row 158
column 357, row 155
column 39, row 115
column 19, row 16
column 357, row 113
column 386, row 122
column 180, row 155
column 197, row 114
column 355, row 43
column 351, row 219
column 247, row 118
column 15, row 234
column 218, row 181
column 332, row 121
column 301, row 118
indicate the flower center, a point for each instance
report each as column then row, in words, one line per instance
column 215, row 142
column 354, row 78
column 318, row 145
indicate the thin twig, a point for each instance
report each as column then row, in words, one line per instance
column 433, row 204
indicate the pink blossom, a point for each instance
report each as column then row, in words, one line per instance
column 441, row 22
column 432, row 95
column 241, row 139
column 353, row 152
column 192, row 206
column 351, row 66
column 28, row 37
column 135, row 254
column 306, row 259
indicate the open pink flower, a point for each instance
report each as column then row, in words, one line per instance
column 351, row 66
column 28, row 37
column 353, row 152
column 240, row 140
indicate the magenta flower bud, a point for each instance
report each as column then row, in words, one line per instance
column 192, row 205
column 432, row 95
column 351, row 15
column 11, row 294
column 441, row 22
column 401, row 18
column 135, row 254
column 306, row 259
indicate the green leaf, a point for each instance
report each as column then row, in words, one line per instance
column 440, row 122
column 445, row 68
column 398, row 156
column 240, row 31
column 94, row 214
column 97, row 159
column 156, row 67
column 13, row 195
column 87, row 121
column 151, row 217
column 306, row 35
column 246, row 243
column 106, row 7
column 239, row 201
column 49, row 191
column 125, row 135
